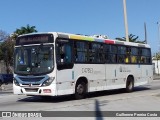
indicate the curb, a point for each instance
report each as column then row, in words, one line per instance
column 156, row 78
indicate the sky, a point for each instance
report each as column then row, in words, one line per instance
column 88, row 17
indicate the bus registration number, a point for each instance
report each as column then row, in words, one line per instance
column 87, row 70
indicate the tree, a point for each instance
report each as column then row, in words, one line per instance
column 132, row 38
column 3, row 35
column 23, row 30
column 156, row 56
column 6, row 50
column 1, row 53
column 7, row 44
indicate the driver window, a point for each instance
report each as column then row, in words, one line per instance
column 64, row 53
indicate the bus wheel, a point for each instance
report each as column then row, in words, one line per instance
column 129, row 84
column 80, row 90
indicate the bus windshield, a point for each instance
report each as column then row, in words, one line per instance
column 34, row 60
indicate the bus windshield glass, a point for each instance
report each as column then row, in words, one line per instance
column 34, row 60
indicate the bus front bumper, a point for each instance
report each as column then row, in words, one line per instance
column 41, row 91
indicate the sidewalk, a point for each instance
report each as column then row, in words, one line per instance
column 156, row 77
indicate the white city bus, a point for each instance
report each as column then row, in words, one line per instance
column 53, row 64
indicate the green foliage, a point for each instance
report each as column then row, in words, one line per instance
column 7, row 44
column 3, row 36
column 23, row 30
column 156, row 56
column 1, row 53
column 132, row 38
column 6, row 52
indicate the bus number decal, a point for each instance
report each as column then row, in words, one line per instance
column 87, row 70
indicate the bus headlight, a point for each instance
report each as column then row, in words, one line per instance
column 48, row 82
column 16, row 82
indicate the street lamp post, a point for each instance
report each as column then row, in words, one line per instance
column 125, row 20
column 145, row 32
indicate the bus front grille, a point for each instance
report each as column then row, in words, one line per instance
column 31, row 89
column 35, row 79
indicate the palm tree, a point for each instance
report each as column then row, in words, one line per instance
column 28, row 29
column 23, row 30
column 132, row 38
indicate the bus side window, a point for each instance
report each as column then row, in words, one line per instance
column 143, row 59
column 80, row 51
column 64, row 54
column 128, row 55
column 145, row 56
column 126, row 59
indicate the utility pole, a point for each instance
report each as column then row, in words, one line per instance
column 157, row 63
column 158, row 23
column 125, row 20
column 145, row 32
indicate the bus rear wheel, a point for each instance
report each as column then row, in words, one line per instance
column 129, row 84
column 80, row 90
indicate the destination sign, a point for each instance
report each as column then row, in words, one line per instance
column 34, row 39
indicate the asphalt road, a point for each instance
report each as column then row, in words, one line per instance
column 144, row 98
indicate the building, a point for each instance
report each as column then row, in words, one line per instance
column 156, row 66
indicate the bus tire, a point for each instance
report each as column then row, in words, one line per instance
column 129, row 84
column 80, row 90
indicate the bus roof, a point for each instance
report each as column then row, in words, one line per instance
column 102, row 40
column 91, row 39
